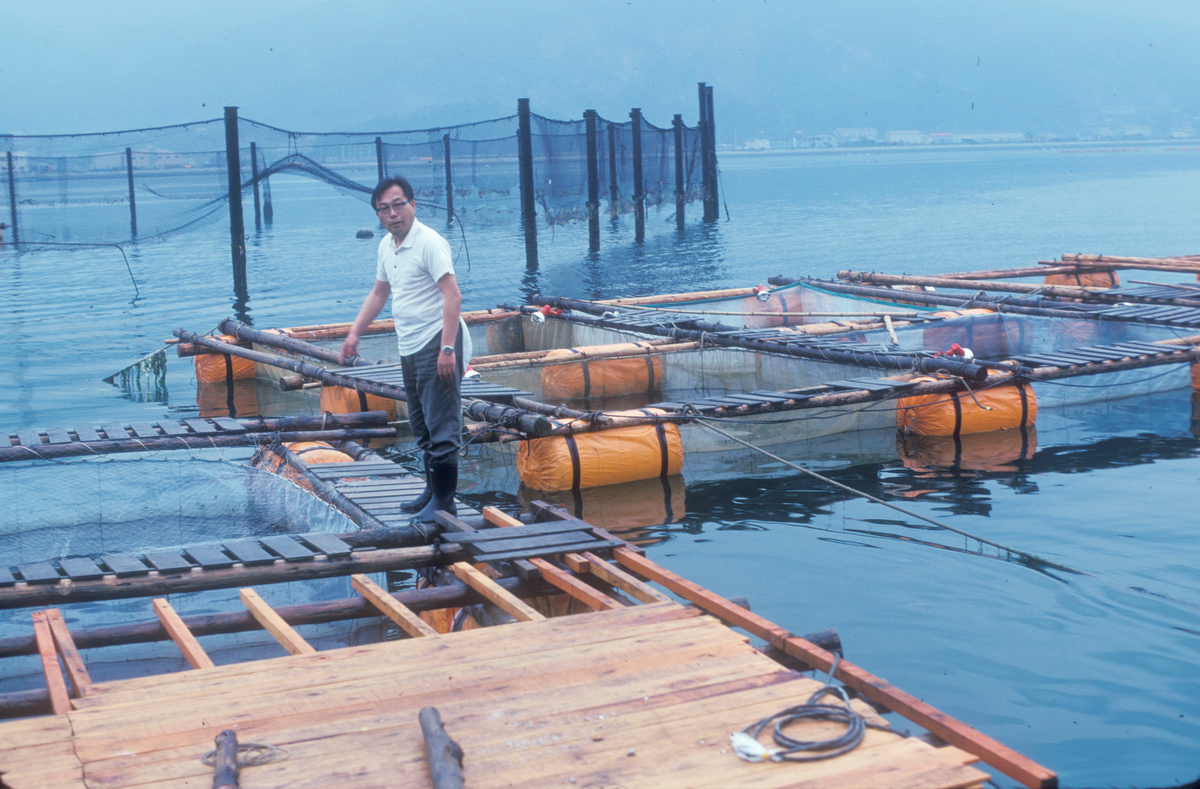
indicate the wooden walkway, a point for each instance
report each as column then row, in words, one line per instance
column 633, row 697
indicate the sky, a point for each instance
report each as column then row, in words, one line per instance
column 778, row 68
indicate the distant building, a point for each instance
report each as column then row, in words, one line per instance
column 852, row 136
column 906, row 138
column 1137, row 132
column 943, row 138
column 986, row 137
column 757, row 145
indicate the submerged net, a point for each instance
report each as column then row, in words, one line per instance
column 112, row 188
column 127, row 504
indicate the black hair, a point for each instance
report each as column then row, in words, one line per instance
column 388, row 183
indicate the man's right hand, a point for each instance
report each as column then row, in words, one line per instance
column 349, row 348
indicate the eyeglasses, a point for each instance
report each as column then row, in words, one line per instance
column 387, row 208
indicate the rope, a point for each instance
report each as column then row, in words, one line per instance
column 257, row 754
column 1029, row 558
column 747, row 747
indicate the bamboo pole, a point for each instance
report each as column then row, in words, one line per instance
column 1180, row 266
column 1189, row 260
column 1013, row 273
column 673, row 298
column 665, row 346
column 87, row 448
column 513, row 357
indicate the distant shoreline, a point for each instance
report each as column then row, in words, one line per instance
column 1094, row 145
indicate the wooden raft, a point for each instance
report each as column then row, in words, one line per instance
column 643, row 696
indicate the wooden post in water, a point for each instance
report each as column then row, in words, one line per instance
column 528, row 201
column 237, row 228
column 379, row 157
column 254, row 177
column 12, row 198
column 680, row 199
column 639, row 196
column 593, row 175
column 132, row 203
column 707, row 170
column 449, row 182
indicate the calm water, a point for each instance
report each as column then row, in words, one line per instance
column 1095, row 677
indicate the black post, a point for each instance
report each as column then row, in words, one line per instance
column 237, row 228
column 639, row 196
column 132, row 203
column 528, row 203
column 12, row 198
column 680, row 199
column 613, row 208
column 712, row 152
column 449, row 182
column 593, row 171
column 706, row 176
column 254, row 173
column 379, row 157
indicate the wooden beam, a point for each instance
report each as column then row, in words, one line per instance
column 392, row 608
column 949, row 729
column 60, row 702
column 505, row 600
column 288, row 638
column 589, row 562
column 588, row 595
column 179, row 633
column 71, row 659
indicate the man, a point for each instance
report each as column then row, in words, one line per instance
column 414, row 267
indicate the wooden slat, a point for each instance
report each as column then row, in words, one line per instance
column 144, row 430
column 287, row 637
column 124, row 565
column 394, row 610
column 210, row 557
column 288, row 547
column 114, row 432
column 248, row 552
column 634, row 587
column 87, row 433
column 60, row 702
column 179, row 633
column 172, row 428
column 29, row 438
column 229, row 425
column 547, row 550
column 949, row 729
column 327, row 544
column 568, row 583
column 39, row 573
column 71, row 659
column 168, row 562
column 504, row 599
column 200, row 426
column 56, row 435
column 81, row 569
column 6, row 577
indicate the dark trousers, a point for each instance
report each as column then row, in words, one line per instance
column 434, row 405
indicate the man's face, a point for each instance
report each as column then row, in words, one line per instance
column 395, row 217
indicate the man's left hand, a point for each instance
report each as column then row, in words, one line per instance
column 447, row 366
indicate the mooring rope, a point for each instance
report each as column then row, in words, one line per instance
column 1032, row 559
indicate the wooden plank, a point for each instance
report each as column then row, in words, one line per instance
column 87, row 434
column 210, row 557
column 548, row 550
column 327, row 544
column 949, row 729
column 287, row 637
column 393, row 609
column 114, row 432
column 634, row 587
column 60, row 702
column 200, row 426
column 228, row 425
column 81, row 569
column 179, row 633
column 504, row 599
column 144, row 430
column 507, row 539
column 6, row 577
column 172, row 428
column 248, row 552
column 39, row 573
column 287, row 547
column 124, row 565
column 169, row 562
column 29, row 438
column 71, row 659
column 56, row 435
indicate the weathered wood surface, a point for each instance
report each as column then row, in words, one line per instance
column 37, row 753
column 183, row 638
column 642, row 697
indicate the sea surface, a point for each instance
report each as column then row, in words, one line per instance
column 1096, row 676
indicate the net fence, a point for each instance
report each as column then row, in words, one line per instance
column 113, row 188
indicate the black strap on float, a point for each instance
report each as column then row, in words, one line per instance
column 228, row 368
column 362, row 401
column 1024, row 404
column 957, row 414
column 650, row 386
column 667, row 508
column 576, row 471
column 783, row 303
column 661, row 430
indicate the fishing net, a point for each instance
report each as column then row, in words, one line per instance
column 112, row 188
column 129, row 504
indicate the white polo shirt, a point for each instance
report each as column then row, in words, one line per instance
column 413, row 270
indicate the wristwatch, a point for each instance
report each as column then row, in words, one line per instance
column 448, row 350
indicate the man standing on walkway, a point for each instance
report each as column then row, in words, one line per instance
column 415, row 269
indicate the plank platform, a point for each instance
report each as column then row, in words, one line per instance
column 641, row 697
column 473, row 388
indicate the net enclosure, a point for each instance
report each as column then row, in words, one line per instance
column 116, row 187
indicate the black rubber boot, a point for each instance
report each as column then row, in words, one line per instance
column 443, row 479
column 418, row 504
